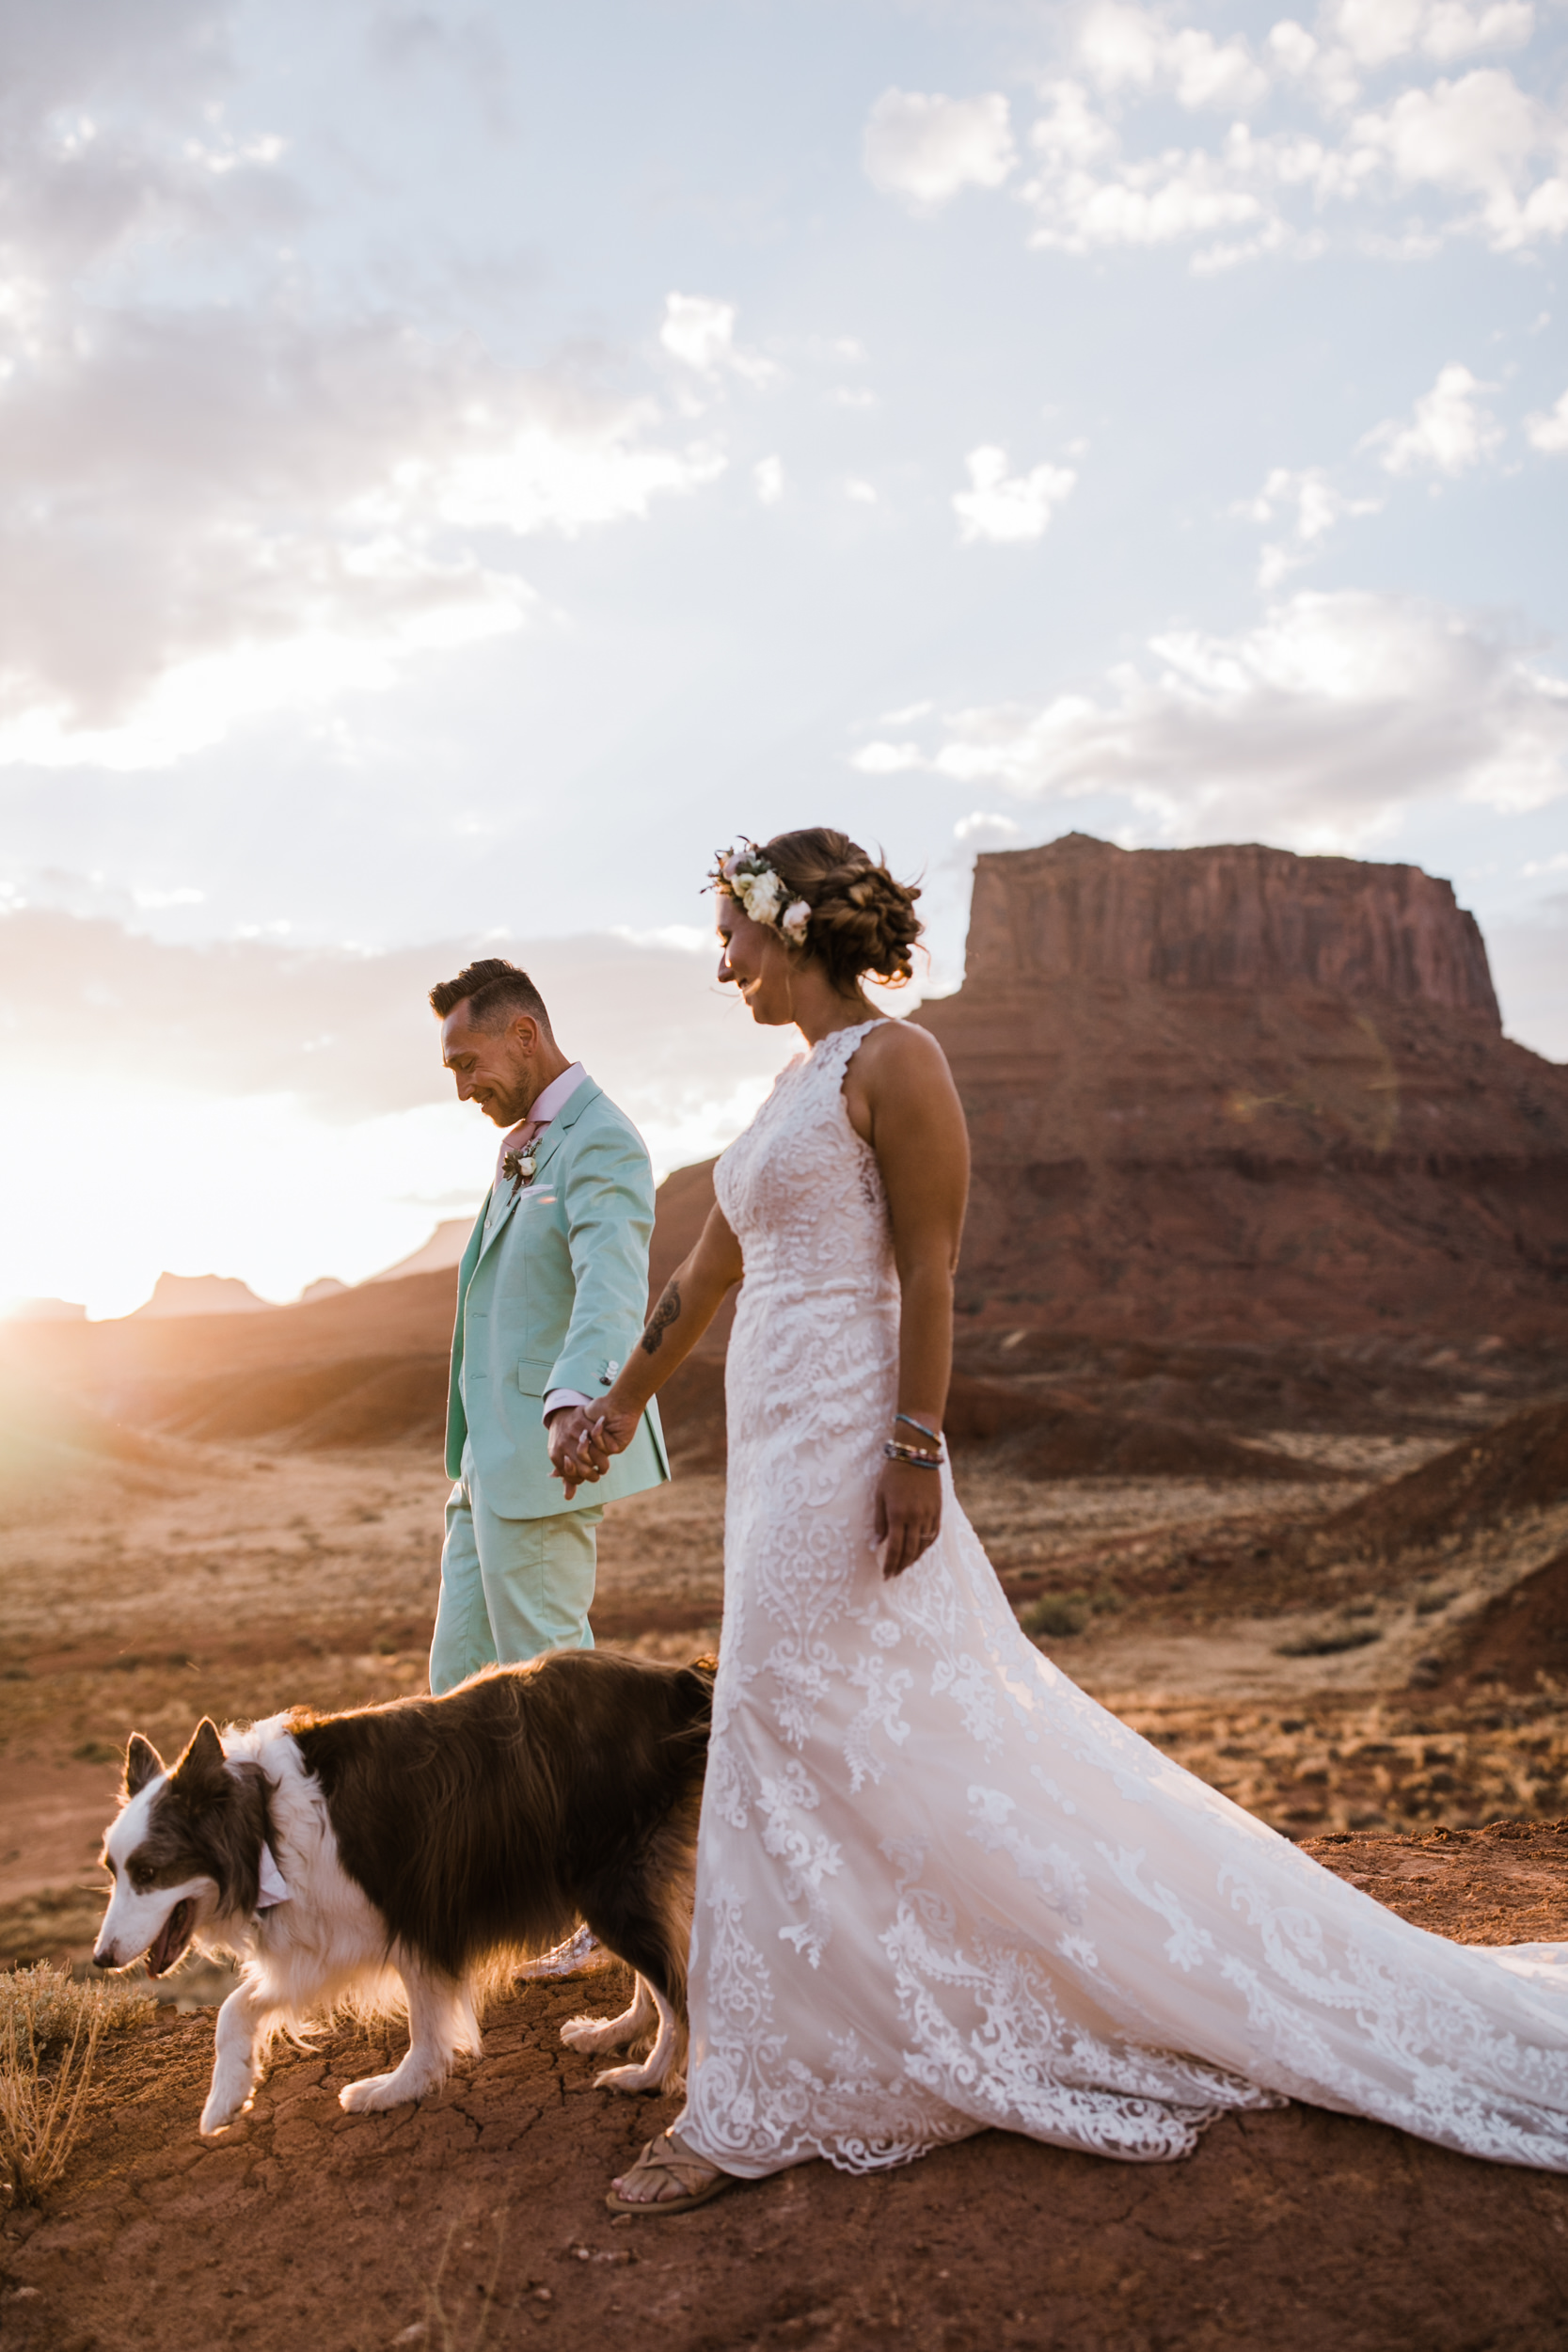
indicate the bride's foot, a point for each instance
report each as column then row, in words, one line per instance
column 668, row 2177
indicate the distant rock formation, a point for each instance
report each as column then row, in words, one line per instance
column 313, row 1293
column 201, row 1294
column 1237, row 1094
column 45, row 1311
column 444, row 1248
column 1247, row 918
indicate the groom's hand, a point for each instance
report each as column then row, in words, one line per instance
column 577, row 1454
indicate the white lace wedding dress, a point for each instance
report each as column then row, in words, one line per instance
column 938, row 1888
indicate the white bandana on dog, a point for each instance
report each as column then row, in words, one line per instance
column 271, row 1890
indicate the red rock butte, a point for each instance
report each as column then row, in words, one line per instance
column 1236, row 1093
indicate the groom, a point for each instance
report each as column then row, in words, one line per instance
column 551, row 1296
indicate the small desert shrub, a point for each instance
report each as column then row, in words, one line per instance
column 1330, row 1644
column 50, row 2029
column 1055, row 1614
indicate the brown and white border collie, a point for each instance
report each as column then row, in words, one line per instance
column 440, row 1842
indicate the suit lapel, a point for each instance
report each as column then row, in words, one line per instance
column 549, row 1144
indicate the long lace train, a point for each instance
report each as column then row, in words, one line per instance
column 939, row 1887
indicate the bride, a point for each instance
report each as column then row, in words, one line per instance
column 938, row 1889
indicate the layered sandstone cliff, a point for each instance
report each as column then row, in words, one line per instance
column 1227, row 919
column 1237, row 1092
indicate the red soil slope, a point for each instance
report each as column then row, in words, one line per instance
column 1520, row 1465
column 1517, row 1639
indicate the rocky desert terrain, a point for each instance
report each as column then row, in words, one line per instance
column 1261, row 1411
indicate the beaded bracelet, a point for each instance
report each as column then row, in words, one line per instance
column 895, row 1451
column 934, row 1435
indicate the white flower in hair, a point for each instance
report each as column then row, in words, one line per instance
column 746, row 876
column 761, row 895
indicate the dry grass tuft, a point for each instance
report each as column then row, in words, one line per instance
column 444, row 2330
column 50, row 2029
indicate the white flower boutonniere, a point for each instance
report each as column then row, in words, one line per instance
column 521, row 1167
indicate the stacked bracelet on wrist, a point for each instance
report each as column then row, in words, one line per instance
column 932, row 1437
column 895, row 1451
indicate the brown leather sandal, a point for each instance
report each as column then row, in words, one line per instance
column 666, row 2159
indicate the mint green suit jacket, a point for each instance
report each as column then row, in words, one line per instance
column 556, row 1298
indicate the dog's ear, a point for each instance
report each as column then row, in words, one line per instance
column 142, row 1763
column 200, row 1772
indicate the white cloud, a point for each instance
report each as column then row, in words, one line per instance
column 926, row 149
column 1547, row 430
column 1477, row 135
column 767, row 480
column 1448, row 432
column 1086, row 194
column 1308, row 503
column 859, row 493
column 1491, row 154
column 883, row 759
column 1317, row 727
column 218, row 503
column 1008, row 510
column 213, row 516
column 1123, row 47
column 699, row 333
column 985, row 829
column 1376, row 32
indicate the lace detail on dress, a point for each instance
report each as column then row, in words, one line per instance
column 939, row 1887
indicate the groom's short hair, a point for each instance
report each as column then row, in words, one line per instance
column 494, row 991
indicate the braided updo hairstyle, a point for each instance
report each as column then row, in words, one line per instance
column 862, row 920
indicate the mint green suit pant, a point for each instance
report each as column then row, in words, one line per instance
column 509, row 1588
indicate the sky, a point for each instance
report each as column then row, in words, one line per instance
column 461, row 466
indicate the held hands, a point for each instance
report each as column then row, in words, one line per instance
column 908, row 1514
column 582, row 1441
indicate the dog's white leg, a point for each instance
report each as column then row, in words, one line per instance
column 234, row 2067
column 612, row 2033
column 441, row 2021
column 650, row 2075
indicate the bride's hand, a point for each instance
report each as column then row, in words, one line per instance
column 908, row 1513
column 582, row 1439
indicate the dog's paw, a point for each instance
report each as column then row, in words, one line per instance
column 217, row 2115
column 594, row 2033
column 370, row 2092
column 630, row 2079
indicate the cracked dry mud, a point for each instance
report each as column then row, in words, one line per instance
column 475, row 2220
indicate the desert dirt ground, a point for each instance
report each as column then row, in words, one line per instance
column 475, row 2220
column 230, row 1581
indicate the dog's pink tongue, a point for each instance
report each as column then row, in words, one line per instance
column 169, row 1943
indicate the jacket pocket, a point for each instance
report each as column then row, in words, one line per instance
column 533, row 1374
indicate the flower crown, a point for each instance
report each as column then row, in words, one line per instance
column 745, row 874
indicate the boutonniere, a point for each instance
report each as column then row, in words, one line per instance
column 521, row 1167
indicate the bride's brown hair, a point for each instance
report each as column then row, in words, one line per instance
column 862, row 920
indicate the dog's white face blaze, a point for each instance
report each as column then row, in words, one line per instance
column 157, row 1920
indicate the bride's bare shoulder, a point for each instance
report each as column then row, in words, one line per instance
column 896, row 1057
column 900, row 1044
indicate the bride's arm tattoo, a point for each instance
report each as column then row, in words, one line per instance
column 662, row 1317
